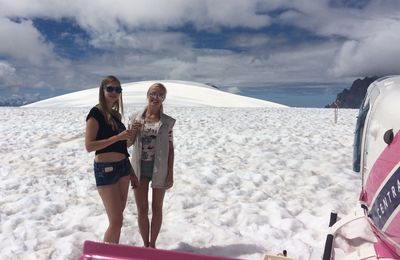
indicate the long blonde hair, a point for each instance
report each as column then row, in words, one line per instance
column 116, row 107
column 163, row 88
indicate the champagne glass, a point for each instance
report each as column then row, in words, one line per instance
column 130, row 123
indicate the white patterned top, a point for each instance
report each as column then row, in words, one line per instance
column 149, row 134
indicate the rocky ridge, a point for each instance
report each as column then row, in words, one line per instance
column 353, row 97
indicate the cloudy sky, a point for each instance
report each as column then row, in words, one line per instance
column 55, row 47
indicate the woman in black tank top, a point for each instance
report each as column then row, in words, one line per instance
column 108, row 137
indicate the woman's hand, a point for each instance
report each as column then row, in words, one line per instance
column 134, row 180
column 136, row 126
column 125, row 135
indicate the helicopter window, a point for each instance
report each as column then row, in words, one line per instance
column 362, row 114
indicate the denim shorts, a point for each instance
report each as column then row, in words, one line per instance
column 107, row 173
column 146, row 170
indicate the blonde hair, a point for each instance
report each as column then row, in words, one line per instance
column 163, row 88
column 116, row 107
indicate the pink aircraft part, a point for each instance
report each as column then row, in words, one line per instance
column 382, row 196
column 382, row 167
column 105, row 251
column 383, row 251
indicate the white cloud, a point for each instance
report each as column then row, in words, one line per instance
column 23, row 41
column 235, row 13
column 132, row 41
column 202, row 14
column 374, row 55
column 105, row 15
column 7, row 75
column 370, row 35
column 148, row 41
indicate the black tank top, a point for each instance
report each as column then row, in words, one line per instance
column 105, row 131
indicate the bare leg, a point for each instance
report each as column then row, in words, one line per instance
column 114, row 199
column 142, row 204
column 156, row 220
column 123, row 184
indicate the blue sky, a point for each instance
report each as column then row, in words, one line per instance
column 56, row 47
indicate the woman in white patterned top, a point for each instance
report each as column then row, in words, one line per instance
column 153, row 161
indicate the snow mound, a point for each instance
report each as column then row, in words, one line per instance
column 180, row 94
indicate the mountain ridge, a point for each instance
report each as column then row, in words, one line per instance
column 353, row 97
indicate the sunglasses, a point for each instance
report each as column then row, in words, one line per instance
column 157, row 95
column 111, row 89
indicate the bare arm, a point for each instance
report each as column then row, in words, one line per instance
column 135, row 129
column 91, row 144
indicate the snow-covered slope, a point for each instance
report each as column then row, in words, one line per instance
column 247, row 181
column 180, row 93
